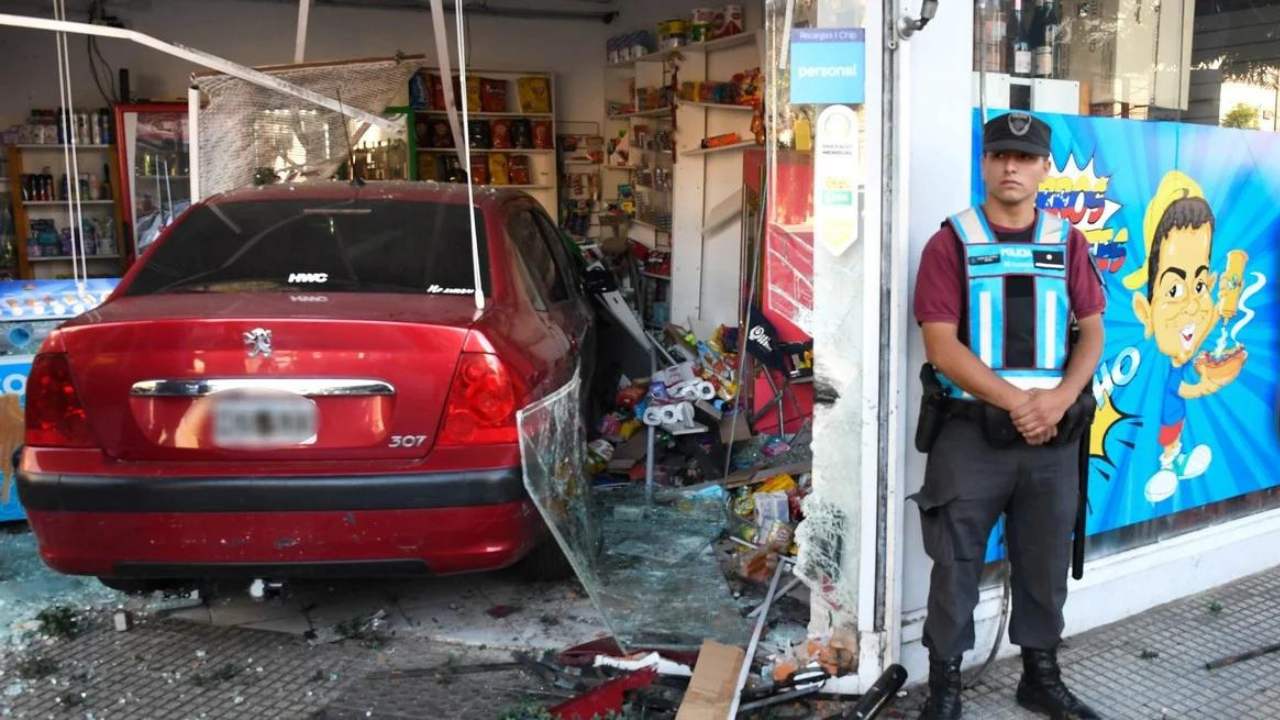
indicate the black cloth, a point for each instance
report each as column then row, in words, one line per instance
column 762, row 340
column 968, row 484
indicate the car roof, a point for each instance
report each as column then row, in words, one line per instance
column 402, row 190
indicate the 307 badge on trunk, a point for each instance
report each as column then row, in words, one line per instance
column 263, row 421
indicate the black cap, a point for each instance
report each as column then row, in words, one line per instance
column 1017, row 132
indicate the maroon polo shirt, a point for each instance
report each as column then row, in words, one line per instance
column 938, row 293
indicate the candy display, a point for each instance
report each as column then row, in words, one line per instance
column 521, row 133
column 498, row 170
column 520, row 171
column 535, row 94
column 542, row 139
column 441, row 135
column 702, row 25
column 493, row 95
column 481, row 135
column 501, row 131
column 480, row 169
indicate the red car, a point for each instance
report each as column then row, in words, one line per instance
column 296, row 381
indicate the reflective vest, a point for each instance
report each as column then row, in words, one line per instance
column 1017, row 311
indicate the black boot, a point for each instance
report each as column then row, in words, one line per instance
column 944, row 690
column 1042, row 691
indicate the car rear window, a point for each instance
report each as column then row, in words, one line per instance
column 385, row 246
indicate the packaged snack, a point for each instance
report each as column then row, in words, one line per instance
column 521, row 133
column 501, row 130
column 481, row 135
column 721, row 140
column 493, row 95
column 451, row 171
column 542, row 138
column 518, row 170
column 535, row 95
column 498, row 170
column 474, row 94
column 419, row 91
column 429, row 169
column 441, row 134
column 436, row 89
column 480, row 169
column 733, row 21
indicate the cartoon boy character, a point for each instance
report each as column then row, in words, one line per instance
column 1177, row 308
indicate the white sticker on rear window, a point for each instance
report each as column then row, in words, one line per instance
column 437, row 290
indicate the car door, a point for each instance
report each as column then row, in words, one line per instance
column 553, row 301
column 578, row 312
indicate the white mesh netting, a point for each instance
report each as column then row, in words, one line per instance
column 249, row 133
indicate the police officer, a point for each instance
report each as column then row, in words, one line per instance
column 998, row 288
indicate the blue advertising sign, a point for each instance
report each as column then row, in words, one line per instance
column 13, row 388
column 29, row 311
column 1184, row 225
column 828, row 66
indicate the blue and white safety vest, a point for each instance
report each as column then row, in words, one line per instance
column 1018, row 310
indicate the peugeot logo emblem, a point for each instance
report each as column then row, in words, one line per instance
column 258, row 341
column 1019, row 123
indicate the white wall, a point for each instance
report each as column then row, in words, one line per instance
column 262, row 33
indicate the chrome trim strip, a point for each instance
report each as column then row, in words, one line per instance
column 306, row 387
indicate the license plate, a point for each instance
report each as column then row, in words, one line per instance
column 264, row 422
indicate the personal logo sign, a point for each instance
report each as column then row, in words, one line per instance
column 828, row 66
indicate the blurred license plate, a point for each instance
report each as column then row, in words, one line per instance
column 264, row 422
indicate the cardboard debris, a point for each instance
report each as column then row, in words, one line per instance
column 732, row 431
column 755, row 476
column 714, row 684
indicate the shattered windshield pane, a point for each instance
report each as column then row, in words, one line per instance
column 650, row 569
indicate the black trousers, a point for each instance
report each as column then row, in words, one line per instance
column 968, row 484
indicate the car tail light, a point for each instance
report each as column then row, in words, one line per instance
column 55, row 415
column 482, row 403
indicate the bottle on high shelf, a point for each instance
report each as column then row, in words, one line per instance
column 1044, row 30
column 993, row 55
column 1020, row 42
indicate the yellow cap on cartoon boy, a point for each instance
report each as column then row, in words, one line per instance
column 1173, row 187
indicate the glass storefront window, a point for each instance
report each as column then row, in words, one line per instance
column 1147, row 100
column 1209, row 62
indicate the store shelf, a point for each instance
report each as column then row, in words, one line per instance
column 482, row 151
column 716, row 106
column 725, row 43
column 581, row 163
column 733, row 41
column 482, row 115
column 50, row 146
column 642, row 114
column 67, row 258
column 655, row 228
column 656, row 276
column 63, row 203
column 504, row 187
column 723, row 148
column 620, row 168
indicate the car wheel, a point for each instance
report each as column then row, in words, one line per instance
column 147, row 586
column 546, row 563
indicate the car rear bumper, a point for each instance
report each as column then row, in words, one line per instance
column 440, row 523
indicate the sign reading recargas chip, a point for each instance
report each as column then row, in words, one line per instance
column 828, row 66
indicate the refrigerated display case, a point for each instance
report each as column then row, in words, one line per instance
column 155, row 162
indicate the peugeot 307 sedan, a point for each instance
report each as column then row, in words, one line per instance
column 299, row 381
